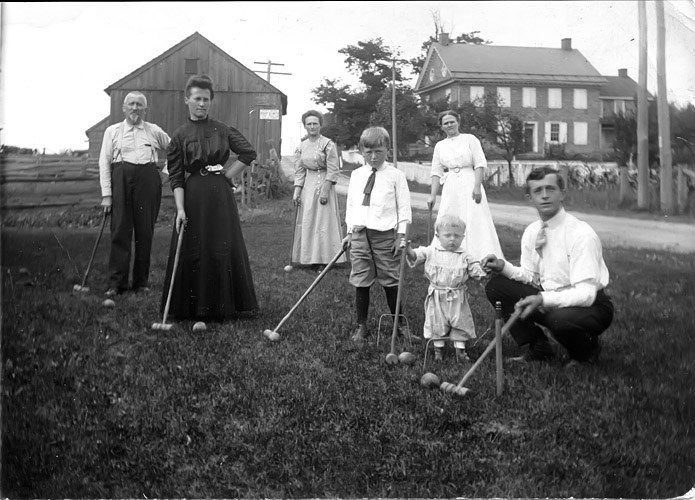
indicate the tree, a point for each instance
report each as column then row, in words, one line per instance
column 625, row 143
column 472, row 37
column 501, row 127
column 352, row 108
column 409, row 116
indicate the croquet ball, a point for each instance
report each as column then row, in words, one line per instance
column 199, row 327
column 108, row 303
column 288, row 269
column 407, row 358
column 429, row 380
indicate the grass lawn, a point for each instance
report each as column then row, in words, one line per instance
column 95, row 404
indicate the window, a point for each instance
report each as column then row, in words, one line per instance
column 619, row 106
column 554, row 132
column 580, row 99
column 555, row 98
column 505, row 96
column 447, row 95
column 581, row 134
column 528, row 97
column 477, row 93
column 191, row 66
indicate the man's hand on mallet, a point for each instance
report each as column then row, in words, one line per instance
column 529, row 305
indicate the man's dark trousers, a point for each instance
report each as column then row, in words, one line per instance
column 137, row 195
column 575, row 328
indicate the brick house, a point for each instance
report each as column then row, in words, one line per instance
column 618, row 96
column 556, row 92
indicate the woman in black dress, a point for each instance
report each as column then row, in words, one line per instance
column 213, row 279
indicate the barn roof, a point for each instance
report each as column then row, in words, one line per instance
column 101, row 124
column 271, row 88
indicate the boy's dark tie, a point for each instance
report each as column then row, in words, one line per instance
column 541, row 239
column 368, row 187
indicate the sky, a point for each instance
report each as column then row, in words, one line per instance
column 58, row 57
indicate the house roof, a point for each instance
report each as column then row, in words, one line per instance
column 183, row 43
column 522, row 64
column 620, row 87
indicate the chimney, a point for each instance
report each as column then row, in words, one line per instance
column 622, row 73
column 444, row 39
column 566, row 44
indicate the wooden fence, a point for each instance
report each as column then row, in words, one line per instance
column 44, row 182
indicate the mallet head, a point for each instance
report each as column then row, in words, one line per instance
column 272, row 335
column 161, row 326
column 391, row 359
column 450, row 388
column 80, row 288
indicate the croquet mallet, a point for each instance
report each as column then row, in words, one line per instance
column 429, row 223
column 164, row 325
column 392, row 357
column 273, row 335
column 83, row 288
column 431, row 380
column 459, row 389
column 288, row 267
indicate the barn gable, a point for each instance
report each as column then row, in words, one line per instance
column 243, row 99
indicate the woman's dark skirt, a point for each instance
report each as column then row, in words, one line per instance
column 213, row 280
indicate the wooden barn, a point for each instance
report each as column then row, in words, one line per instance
column 243, row 99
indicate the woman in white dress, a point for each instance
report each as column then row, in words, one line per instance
column 318, row 232
column 458, row 164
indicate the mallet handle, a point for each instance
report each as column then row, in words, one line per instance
column 96, row 245
column 400, row 290
column 311, row 287
column 512, row 319
column 173, row 274
column 498, row 337
column 294, row 230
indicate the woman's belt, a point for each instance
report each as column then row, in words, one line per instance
column 455, row 170
column 212, row 169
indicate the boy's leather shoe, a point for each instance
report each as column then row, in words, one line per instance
column 361, row 333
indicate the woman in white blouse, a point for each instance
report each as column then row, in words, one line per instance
column 458, row 164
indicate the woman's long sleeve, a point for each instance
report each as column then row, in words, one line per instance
column 175, row 164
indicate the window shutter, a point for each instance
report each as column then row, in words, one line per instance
column 547, row 132
column 563, row 132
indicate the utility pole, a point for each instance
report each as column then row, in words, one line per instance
column 665, row 167
column 267, row 71
column 642, row 113
column 393, row 112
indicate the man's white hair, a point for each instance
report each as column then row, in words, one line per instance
column 135, row 93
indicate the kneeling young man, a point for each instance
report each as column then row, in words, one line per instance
column 560, row 281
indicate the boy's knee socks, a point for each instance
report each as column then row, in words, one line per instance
column 362, row 304
column 392, row 299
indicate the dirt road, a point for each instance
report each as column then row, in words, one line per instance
column 613, row 231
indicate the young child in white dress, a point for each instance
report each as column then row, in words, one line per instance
column 448, row 266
